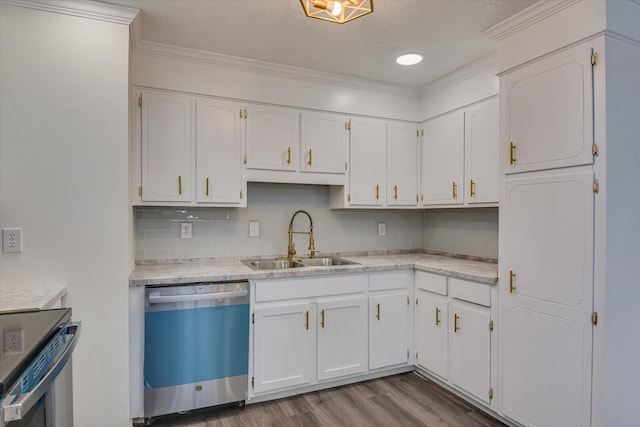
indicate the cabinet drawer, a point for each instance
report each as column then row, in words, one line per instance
column 477, row 293
column 279, row 290
column 389, row 280
column 431, row 282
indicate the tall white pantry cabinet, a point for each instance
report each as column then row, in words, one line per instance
column 568, row 299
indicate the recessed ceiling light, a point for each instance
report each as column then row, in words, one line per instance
column 409, row 59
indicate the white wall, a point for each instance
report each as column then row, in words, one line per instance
column 221, row 232
column 64, row 180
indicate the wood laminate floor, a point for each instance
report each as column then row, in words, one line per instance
column 399, row 400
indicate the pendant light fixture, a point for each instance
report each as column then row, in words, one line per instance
column 338, row 11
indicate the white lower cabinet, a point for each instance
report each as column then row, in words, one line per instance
column 342, row 345
column 284, row 337
column 453, row 327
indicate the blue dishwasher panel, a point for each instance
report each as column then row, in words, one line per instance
column 196, row 344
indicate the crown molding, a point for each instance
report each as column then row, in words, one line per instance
column 81, row 8
column 145, row 47
column 481, row 65
column 527, row 17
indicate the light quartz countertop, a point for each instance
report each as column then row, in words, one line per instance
column 28, row 299
column 228, row 270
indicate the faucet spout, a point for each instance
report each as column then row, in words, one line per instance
column 291, row 250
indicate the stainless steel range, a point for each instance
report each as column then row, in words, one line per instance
column 35, row 368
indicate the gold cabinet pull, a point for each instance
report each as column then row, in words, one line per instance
column 322, row 318
column 472, row 189
column 306, row 321
column 512, row 153
column 512, row 288
column 377, row 191
column 437, row 316
column 289, row 155
column 179, row 184
column 206, row 191
column 395, row 192
column 310, row 158
column 378, row 314
column 455, row 190
column 455, row 323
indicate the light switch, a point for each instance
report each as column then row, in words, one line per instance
column 382, row 229
column 254, row 229
column 185, row 230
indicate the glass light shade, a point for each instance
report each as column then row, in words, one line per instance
column 338, row 11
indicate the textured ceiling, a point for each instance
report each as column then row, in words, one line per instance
column 448, row 33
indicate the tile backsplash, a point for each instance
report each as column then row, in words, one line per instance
column 224, row 232
column 469, row 231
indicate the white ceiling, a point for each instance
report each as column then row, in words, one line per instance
column 448, row 33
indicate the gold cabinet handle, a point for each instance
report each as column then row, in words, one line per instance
column 322, row 318
column 377, row 191
column 455, row 323
column 206, row 191
column 472, row 191
column 512, row 288
column 306, row 321
column 289, row 155
column 378, row 314
column 395, row 192
column 455, row 190
column 437, row 316
column 512, row 153
column 179, row 184
column 310, row 158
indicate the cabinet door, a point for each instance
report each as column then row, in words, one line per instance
column 402, row 164
column 324, row 142
column 431, row 332
column 342, row 338
column 546, row 333
column 549, row 112
column 284, row 337
column 166, row 147
column 368, row 162
column 442, row 160
column 388, row 330
column 219, row 139
column 481, row 141
column 273, row 138
column 471, row 349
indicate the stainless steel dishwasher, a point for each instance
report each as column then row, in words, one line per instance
column 196, row 349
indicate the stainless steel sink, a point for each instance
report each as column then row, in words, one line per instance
column 272, row 264
column 282, row 264
column 325, row 262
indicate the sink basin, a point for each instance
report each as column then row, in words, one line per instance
column 325, row 262
column 272, row 264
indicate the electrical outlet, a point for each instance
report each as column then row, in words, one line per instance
column 11, row 240
column 13, row 341
column 185, row 230
column 382, row 229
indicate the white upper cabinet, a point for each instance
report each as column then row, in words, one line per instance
column 165, row 154
column 324, row 142
column 481, row 142
column 442, row 172
column 219, row 142
column 402, row 164
column 549, row 112
column 273, row 138
column 368, row 173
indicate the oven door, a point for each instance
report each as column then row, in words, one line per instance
column 48, row 402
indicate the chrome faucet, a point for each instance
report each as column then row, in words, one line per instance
column 292, row 246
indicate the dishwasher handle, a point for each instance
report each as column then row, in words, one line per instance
column 162, row 299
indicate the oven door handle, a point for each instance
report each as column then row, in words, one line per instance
column 16, row 405
column 160, row 299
